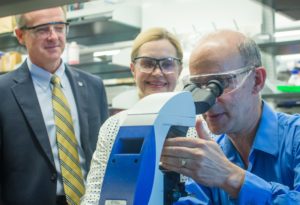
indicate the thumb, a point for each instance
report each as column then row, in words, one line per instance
column 201, row 129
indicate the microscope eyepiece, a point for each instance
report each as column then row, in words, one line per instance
column 216, row 87
column 205, row 98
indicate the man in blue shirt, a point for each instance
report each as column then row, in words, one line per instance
column 256, row 158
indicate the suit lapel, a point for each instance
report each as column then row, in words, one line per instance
column 26, row 97
column 79, row 89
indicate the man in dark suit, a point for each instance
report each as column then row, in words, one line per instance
column 30, row 171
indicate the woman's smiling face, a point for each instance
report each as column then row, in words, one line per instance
column 156, row 81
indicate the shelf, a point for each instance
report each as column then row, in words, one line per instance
column 289, row 8
column 106, row 70
column 112, row 74
column 101, row 31
column 281, row 95
column 118, row 81
column 84, row 33
column 281, row 47
column 95, row 25
column 1, row 72
column 284, row 100
column 12, row 7
column 9, row 42
column 87, row 33
column 117, row 73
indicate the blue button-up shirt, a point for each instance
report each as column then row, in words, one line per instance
column 273, row 174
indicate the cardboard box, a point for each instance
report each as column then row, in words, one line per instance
column 10, row 60
column 7, row 24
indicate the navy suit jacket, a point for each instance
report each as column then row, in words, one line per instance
column 27, row 170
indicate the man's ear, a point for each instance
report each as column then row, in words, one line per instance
column 260, row 79
column 20, row 36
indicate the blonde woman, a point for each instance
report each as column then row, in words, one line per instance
column 156, row 63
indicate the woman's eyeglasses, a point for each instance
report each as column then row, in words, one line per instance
column 167, row 65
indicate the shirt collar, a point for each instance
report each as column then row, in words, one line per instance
column 266, row 138
column 43, row 77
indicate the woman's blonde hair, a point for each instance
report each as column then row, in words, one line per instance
column 154, row 34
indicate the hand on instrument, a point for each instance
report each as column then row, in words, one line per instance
column 203, row 160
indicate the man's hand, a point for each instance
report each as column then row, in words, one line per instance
column 202, row 160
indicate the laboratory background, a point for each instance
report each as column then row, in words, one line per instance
column 101, row 34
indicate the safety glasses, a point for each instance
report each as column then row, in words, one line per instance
column 44, row 30
column 231, row 80
column 167, row 65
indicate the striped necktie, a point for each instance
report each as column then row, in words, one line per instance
column 67, row 145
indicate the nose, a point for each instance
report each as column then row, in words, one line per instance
column 52, row 33
column 157, row 70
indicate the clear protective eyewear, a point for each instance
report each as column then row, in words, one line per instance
column 167, row 65
column 44, row 30
column 231, row 80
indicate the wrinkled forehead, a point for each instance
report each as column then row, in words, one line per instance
column 213, row 58
column 44, row 16
column 205, row 66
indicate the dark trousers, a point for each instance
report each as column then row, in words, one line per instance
column 61, row 200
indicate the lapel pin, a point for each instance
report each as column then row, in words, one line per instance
column 80, row 83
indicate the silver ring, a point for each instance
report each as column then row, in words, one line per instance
column 183, row 162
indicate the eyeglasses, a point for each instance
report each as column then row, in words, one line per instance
column 230, row 80
column 167, row 65
column 44, row 30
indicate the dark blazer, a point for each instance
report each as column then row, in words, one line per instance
column 27, row 171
